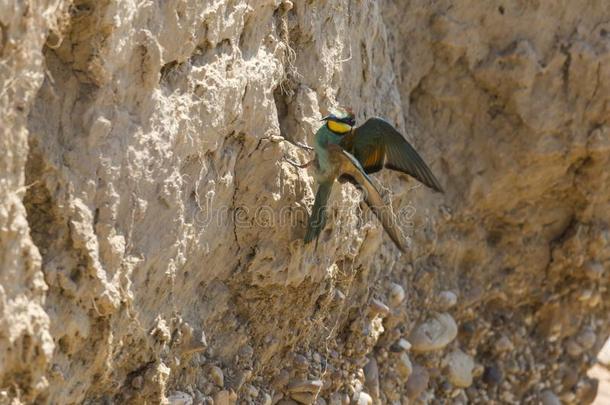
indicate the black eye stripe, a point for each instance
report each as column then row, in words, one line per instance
column 348, row 120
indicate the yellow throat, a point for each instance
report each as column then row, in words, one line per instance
column 338, row 127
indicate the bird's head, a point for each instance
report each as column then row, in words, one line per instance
column 341, row 121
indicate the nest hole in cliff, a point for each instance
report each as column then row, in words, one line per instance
column 166, row 69
column 285, row 119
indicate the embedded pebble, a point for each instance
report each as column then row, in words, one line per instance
column 281, row 380
column 418, row 382
column 404, row 366
column 492, row 375
column 548, row 397
column 504, row 344
column 217, row 376
column 251, row 391
column 446, row 300
column 180, row 398
column 300, row 362
column 400, row 345
column 306, row 398
column 222, row 398
column 569, row 379
column 267, row 400
column 460, row 366
column 371, row 377
column 434, row 334
column 377, row 307
column 586, row 390
column 364, row 399
column 313, row 386
column 240, row 379
column 586, row 339
column 403, row 344
column 573, row 348
column 397, row 295
column 335, row 399
column 585, row 295
column 286, row 402
column 246, row 352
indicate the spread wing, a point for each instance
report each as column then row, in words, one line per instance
column 377, row 144
column 351, row 168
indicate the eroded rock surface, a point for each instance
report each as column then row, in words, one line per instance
column 150, row 230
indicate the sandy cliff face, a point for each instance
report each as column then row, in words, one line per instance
column 150, row 230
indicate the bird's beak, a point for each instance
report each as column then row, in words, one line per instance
column 325, row 118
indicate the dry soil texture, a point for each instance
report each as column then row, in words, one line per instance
column 151, row 231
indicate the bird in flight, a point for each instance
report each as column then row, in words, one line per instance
column 348, row 153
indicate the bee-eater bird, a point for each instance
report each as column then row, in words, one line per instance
column 346, row 153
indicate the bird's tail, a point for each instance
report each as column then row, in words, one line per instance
column 317, row 219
